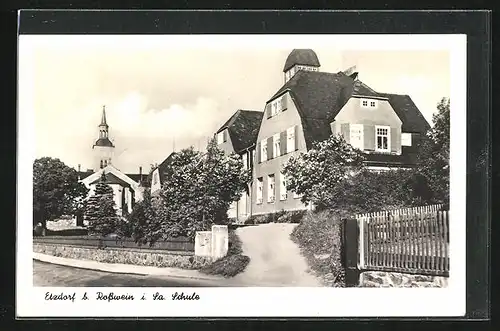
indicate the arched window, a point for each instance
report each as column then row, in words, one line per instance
column 101, row 165
column 105, row 163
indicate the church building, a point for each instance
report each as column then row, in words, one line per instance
column 127, row 188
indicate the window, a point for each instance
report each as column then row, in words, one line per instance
column 283, row 192
column 244, row 158
column 278, row 104
column 263, row 150
column 406, row 139
column 260, row 186
column 101, row 164
column 382, row 138
column 290, row 137
column 356, row 136
column 270, row 188
column 275, row 108
column 221, row 137
column 369, row 103
column 155, row 178
column 276, row 147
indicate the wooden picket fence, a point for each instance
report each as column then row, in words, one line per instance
column 411, row 240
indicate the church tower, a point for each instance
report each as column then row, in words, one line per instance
column 103, row 147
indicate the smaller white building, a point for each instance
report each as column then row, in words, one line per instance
column 126, row 191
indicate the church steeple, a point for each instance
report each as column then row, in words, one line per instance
column 103, row 118
column 103, row 146
column 103, row 127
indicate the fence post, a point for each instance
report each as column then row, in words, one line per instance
column 351, row 245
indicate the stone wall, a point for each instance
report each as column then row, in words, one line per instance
column 154, row 258
column 395, row 279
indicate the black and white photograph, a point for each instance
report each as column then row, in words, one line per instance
column 166, row 167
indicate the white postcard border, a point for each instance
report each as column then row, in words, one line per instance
column 256, row 301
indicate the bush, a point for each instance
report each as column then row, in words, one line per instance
column 320, row 239
column 67, row 232
column 282, row 216
column 231, row 264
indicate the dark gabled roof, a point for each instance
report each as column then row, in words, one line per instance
column 320, row 96
column 243, row 128
column 84, row 174
column 301, row 56
column 138, row 178
column 410, row 115
column 112, row 179
column 161, row 167
column 362, row 89
column 104, row 142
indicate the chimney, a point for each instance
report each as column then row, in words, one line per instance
column 79, row 166
column 140, row 174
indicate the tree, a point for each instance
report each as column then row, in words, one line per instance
column 100, row 210
column 433, row 160
column 56, row 190
column 314, row 175
column 197, row 192
column 141, row 219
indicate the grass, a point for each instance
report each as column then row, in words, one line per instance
column 231, row 264
column 319, row 238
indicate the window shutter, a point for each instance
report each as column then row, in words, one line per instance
column 369, row 137
column 283, row 143
column 270, row 148
column 284, row 105
column 332, row 127
column 395, row 140
column 296, row 137
column 269, row 110
column 345, row 131
column 257, row 151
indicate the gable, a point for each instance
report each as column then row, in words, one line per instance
column 243, row 128
column 112, row 170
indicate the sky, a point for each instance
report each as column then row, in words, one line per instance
column 160, row 93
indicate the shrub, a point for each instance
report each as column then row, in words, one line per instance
column 319, row 237
column 231, row 264
column 282, row 216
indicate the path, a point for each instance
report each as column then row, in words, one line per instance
column 275, row 260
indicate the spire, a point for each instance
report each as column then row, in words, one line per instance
column 103, row 118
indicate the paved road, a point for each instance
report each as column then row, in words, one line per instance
column 47, row 274
column 274, row 258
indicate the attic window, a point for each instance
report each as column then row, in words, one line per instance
column 366, row 103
